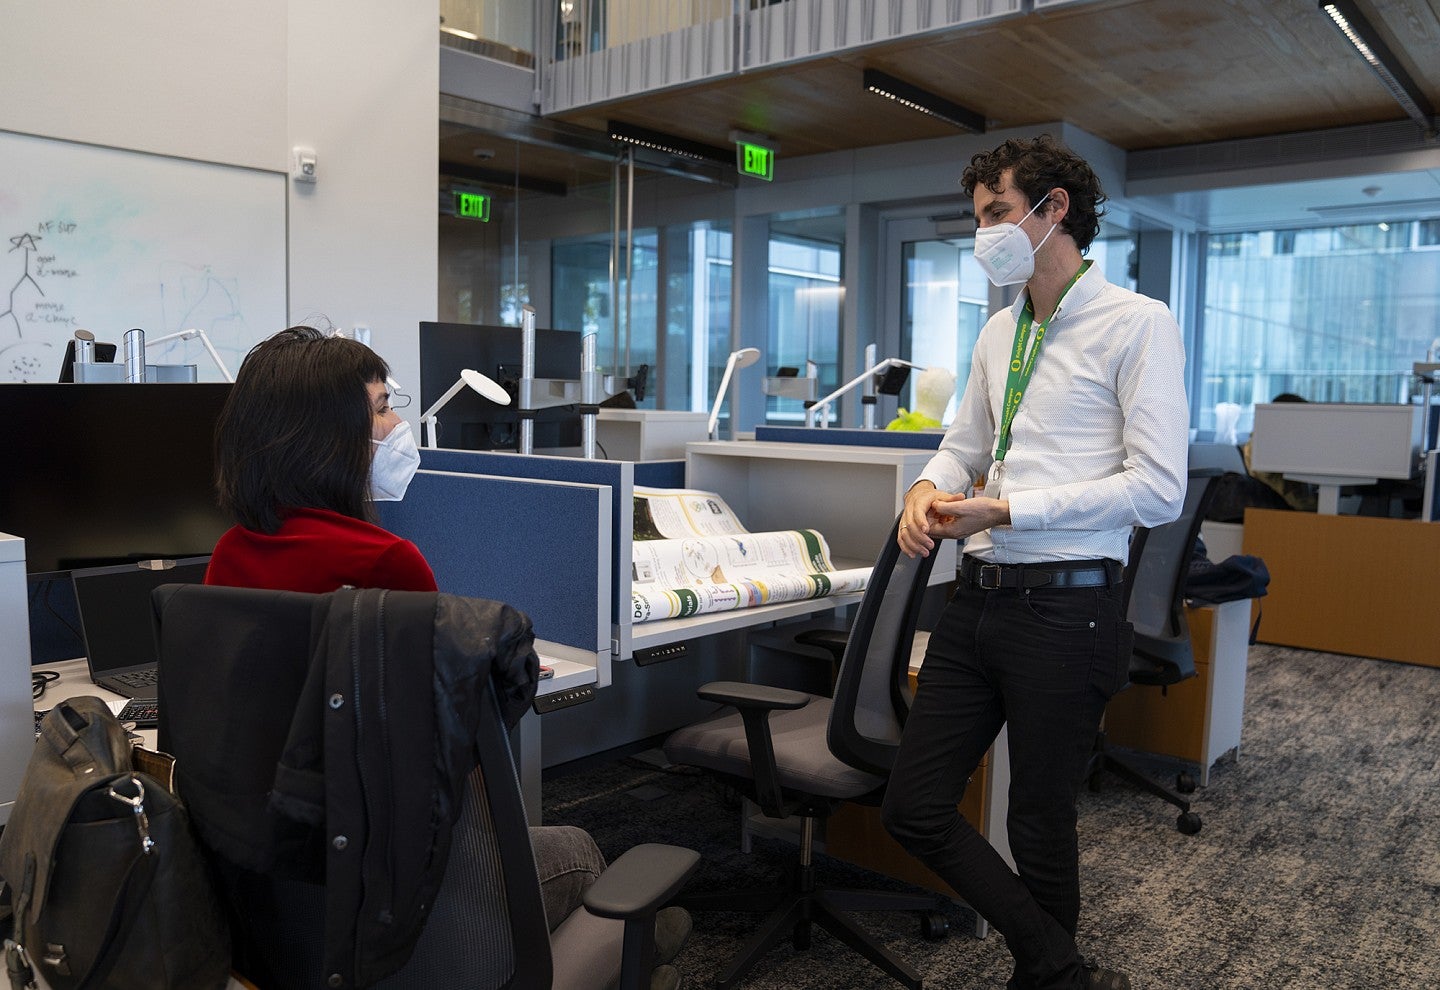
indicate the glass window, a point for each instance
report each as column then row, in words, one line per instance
column 697, row 322
column 686, row 360
column 806, row 298
column 500, row 29
column 945, row 303
column 1334, row 314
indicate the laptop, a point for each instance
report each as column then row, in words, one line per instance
column 116, row 619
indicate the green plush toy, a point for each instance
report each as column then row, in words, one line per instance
column 906, row 420
column 934, row 388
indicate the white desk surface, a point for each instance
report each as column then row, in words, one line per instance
column 75, row 681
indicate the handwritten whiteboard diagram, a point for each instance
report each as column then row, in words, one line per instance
column 106, row 240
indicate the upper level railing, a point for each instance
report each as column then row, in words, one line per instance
column 602, row 50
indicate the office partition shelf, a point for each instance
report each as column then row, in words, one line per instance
column 851, row 494
column 573, row 668
column 647, row 634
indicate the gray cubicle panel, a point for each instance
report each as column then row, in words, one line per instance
column 541, row 546
column 1336, row 440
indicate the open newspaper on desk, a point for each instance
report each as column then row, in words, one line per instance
column 692, row 555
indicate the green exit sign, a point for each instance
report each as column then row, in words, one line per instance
column 472, row 206
column 756, row 160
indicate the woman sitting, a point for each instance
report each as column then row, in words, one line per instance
column 306, row 443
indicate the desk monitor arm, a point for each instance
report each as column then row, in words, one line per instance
column 191, row 334
column 868, row 379
column 546, row 393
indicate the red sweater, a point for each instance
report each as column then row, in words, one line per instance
column 317, row 550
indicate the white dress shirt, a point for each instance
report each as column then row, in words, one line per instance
column 1099, row 444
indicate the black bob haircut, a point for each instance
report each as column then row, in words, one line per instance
column 295, row 430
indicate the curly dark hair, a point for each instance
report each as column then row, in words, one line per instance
column 1040, row 166
column 295, row 429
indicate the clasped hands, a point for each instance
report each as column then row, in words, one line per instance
column 930, row 515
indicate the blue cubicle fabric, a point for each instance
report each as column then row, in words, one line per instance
column 908, row 440
column 617, row 475
column 492, row 538
column 660, row 474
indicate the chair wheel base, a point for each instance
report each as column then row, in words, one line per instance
column 934, row 926
column 1184, row 783
column 1189, row 823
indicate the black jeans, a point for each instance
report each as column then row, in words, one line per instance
column 1044, row 661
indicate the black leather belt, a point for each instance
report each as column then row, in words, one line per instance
column 1051, row 574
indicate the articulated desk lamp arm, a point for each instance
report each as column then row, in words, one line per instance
column 743, row 358
column 468, row 379
column 866, row 378
column 191, row 334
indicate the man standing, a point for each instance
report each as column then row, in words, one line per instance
column 1075, row 416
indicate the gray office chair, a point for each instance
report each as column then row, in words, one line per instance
column 1155, row 593
column 803, row 754
column 227, row 725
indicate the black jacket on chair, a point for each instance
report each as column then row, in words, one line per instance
column 327, row 738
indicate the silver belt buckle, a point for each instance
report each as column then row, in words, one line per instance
column 990, row 575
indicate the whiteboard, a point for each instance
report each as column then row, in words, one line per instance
column 108, row 240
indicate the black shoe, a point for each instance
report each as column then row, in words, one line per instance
column 1095, row 977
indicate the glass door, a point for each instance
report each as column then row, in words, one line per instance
column 936, row 298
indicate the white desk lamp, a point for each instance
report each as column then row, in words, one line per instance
column 743, row 358
column 468, row 379
column 191, row 334
column 866, row 377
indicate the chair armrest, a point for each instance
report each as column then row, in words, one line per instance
column 633, row 889
column 753, row 696
column 641, row 881
column 755, row 703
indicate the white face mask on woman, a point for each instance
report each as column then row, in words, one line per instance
column 394, row 463
column 1004, row 252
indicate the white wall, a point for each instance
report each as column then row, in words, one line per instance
column 241, row 84
column 364, row 92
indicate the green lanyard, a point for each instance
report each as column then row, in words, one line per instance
column 1022, row 365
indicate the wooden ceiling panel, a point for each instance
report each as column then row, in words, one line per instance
column 1137, row 73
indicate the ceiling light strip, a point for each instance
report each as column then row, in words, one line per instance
column 912, row 96
column 1361, row 35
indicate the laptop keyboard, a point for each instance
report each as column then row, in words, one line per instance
column 138, row 679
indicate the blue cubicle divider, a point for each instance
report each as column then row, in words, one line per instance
column 660, row 474
column 618, row 476
column 905, row 439
column 489, row 537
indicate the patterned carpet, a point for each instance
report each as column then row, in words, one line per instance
column 1318, row 866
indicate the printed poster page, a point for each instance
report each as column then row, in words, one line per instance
column 713, row 564
column 674, row 513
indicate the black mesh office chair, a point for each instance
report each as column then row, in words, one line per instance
column 1155, row 592
column 803, row 754
column 487, row 928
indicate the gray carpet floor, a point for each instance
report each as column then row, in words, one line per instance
column 1318, row 865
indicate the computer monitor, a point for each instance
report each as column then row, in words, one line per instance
column 107, row 474
column 470, row 422
column 99, row 475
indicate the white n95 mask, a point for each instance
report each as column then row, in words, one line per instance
column 1004, row 252
column 395, row 462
